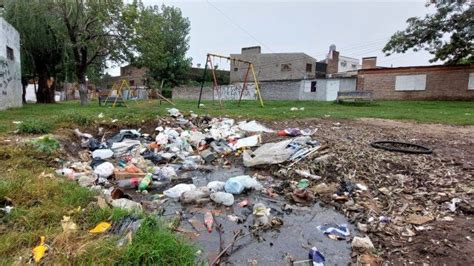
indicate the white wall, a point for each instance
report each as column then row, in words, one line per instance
column 10, row 70
column 348, row 64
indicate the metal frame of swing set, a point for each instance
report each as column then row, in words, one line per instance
column 215, row 86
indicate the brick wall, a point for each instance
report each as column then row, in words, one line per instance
column 442, row 83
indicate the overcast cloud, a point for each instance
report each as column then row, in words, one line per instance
column 357, row 28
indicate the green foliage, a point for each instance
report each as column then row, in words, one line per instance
column 34, row 126
column 45, row 144
column 153, row 244
column 161, row 42
column 448, row 33
column 76, row 118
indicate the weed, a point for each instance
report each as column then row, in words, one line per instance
column 34, row 126
column 47, row 144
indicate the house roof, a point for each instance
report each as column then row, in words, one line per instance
column 414, row 68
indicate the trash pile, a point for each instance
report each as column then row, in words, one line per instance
column 141, row 171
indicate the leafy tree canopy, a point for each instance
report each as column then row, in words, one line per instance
column 448, row 33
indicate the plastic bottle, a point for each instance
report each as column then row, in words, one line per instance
column 129, row 183
column 145, row 182
column 208, row 221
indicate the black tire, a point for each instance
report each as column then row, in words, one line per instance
column 404, row 147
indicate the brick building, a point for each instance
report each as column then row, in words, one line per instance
column 272, row 66
column 440, row 82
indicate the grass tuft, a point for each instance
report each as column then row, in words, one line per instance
column 34, row 126
column 153, row 244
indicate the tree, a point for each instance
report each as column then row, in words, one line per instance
column 161, row 43
column 42, row 49
column 94, row 32
column 448, row 34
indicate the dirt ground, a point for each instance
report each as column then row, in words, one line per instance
column 400, row 185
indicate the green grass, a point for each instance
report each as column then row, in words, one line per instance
column 67, row 114
column 40, row 201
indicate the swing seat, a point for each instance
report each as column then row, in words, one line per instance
column 118, row 100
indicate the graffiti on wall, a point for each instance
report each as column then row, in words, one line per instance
column 8, row 76
column 232, row 92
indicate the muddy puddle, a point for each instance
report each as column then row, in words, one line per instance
column 292, row 240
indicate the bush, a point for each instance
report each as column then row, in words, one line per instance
column 34, row 126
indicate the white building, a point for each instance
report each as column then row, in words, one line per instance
column 10, row 67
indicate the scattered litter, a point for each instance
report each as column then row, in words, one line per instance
column 208, row 220
column 104, row 170
column 419, row 219
column 176, row 191
column 216, row 186
column 307, row 174
column 452, row 204
column 362, row 243
column 261, row 214
column 102, row 153
column 100, row 228
column 126, row 204
column 316, row 257
column 336, row 232
column 68, row 225
column 223, row 198
column 254, row 126
column 40, row 250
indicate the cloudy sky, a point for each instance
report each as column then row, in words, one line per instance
column 357, row 28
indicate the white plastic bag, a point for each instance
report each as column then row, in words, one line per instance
column 104, row 169
column 178, row 190
column 102, row 153
column 216, row 186
column 223, row 198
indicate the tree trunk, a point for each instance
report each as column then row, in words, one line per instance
column 24, row 84
column 83, row 91
column 45, row 93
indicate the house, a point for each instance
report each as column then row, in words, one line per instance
column 272, row 66
column 439, row 82
column 10, row 67
column 337, row 63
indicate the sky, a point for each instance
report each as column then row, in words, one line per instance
column 357, row 28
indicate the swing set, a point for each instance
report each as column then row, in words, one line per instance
column 215, row 86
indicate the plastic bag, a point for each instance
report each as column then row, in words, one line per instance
column 223, row 198
column 216, row 186
column 233, row 186
column 104, row 170
column 194, row 195
column 100, row 228
column 102, row 153
column 249, row 182
column 178, row 190
column 254, row 126
column 126, row 204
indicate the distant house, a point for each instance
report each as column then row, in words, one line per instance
column 10, row 66
column 440, row 82
column 272, row 66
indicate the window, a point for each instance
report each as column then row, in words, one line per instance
column 309, row 67
column 10, row 54
column 470, row 85
column 313, row 86
column 343, row 63
column 132, row 82
column 410, row 83
column 236, row 69
column 354, row 66
column 285, row 67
